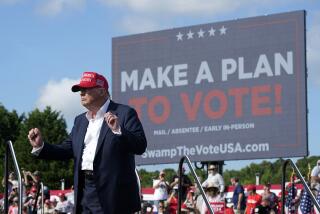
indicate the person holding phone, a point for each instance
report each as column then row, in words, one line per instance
column 161, row 188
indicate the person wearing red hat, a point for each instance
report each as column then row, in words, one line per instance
column 253, row 199
column 103, row 143
column 30, row 199
column 64, row 205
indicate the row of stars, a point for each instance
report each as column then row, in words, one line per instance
column 201, row 33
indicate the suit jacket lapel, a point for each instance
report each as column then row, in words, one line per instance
column 82, row 133
column 104, row 128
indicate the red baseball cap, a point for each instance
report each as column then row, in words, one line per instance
column 251, row 187
column 61, row 194
column 90, row 80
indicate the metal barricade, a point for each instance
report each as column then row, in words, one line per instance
column 10, row 151
column 298, row 173
column 186, row 159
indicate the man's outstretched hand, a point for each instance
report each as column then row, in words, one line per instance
column 35, row 138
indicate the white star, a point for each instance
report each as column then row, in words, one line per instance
column 190, row 34
column 200, row 33
column 211, row 31
column 179, row 36
column 223, row 30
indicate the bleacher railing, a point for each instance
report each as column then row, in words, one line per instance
column 298, row 173
column 186, row 159
column 10, row 151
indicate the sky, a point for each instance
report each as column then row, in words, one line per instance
column 45, row 45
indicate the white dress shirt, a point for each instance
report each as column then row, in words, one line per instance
column 92, row 136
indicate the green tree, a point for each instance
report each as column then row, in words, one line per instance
column 10, row 123
column 146, row 177
column 53, row 129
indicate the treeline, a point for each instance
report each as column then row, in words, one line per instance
column 15, row 127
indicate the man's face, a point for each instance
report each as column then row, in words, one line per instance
column 266, row 188
column 212, row 171
column 232, row 181
column 91, row 96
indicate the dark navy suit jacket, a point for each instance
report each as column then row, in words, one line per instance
column 113, row 165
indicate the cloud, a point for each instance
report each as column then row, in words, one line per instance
column 135, row 24
column 147, row 15
column 195, row 7
column 151, row 15
column 58, row 95
column 55, row 7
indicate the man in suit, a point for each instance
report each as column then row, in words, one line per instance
column 103, row 142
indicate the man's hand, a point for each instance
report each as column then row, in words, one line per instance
column 112, row 121
column 35, row 138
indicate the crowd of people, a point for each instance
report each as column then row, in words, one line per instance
column 242, row 202
column 30, row 190
column 165, row 198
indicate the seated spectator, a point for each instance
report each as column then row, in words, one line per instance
column 253, row 199
column 214, row 198
column 64, row 206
